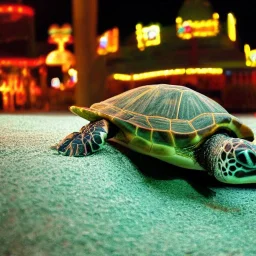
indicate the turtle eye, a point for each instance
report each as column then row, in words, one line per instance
column 246, row 157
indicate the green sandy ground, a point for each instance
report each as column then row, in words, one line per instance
column 114, row 202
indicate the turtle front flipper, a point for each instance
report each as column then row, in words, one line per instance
column 88, row 140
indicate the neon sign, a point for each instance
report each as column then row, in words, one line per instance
column 60, row 36
column 188, row 29
column 147, row 36
column 250, row 56
column 21, row 62
column 168, row 72
column 231, row 27
column 108, row 42
column 17, row 9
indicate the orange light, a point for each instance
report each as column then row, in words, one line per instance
column 198, row 28
column 168, row 72
column 60, row 36
column 17, row 8
column 108, row 42
column 21, row 62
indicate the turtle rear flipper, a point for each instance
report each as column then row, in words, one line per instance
column 88, row 140
column 64, row 142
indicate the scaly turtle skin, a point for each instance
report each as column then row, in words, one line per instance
column 172, row 123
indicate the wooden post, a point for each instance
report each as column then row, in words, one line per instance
column 85, row 32
column 194, row 52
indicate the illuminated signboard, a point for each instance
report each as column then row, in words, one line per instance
column 60, row 36
column 147, row 36
column 21, row 62
column 108, row 42
column 250, row 56
column 168, row 72
column 231, row 27
column 16, row 9
column 188, row 29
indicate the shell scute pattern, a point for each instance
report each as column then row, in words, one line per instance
column 183, row 127
column 144, row 133
column 207, row 131
column 222, row 119
column 148, row 100
column 113, row 111
column 127, row 127
column 157, row 122
column 194, row 104
column 141, row 144
column 164, row 138
column 242, row 130
column 184, row 140
column 202, row 121
column 125, row 115
column 168, row 113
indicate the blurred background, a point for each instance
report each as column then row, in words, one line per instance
column 57, row 53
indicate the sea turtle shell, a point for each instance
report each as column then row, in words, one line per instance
column 160, row 119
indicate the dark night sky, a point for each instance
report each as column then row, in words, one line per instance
column 125, row 14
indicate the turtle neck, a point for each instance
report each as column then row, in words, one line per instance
column 207, row 153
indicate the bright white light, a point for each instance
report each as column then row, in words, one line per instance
column 253, row 57
column 55, row 82
column 151, row 34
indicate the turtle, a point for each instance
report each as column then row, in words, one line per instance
column 172, row 123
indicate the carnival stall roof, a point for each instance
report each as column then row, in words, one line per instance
column 175, row 52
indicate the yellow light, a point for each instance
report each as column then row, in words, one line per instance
column 61, row 58
column 168, row 72
column 4, row 87
column 147, row 36
column 197, row 28
column 60, row 36
column 247, row 48
column 178, row 20
column 72, row 72
column 248, row 63
column 122, row 77
column 215, row 16
column 231, row 27
column 250, row 56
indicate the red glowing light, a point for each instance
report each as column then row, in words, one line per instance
column 21, row 62
column 16, row 8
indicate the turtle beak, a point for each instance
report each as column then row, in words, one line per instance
column 245, row 177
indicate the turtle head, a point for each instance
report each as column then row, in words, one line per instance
column 236, row 162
